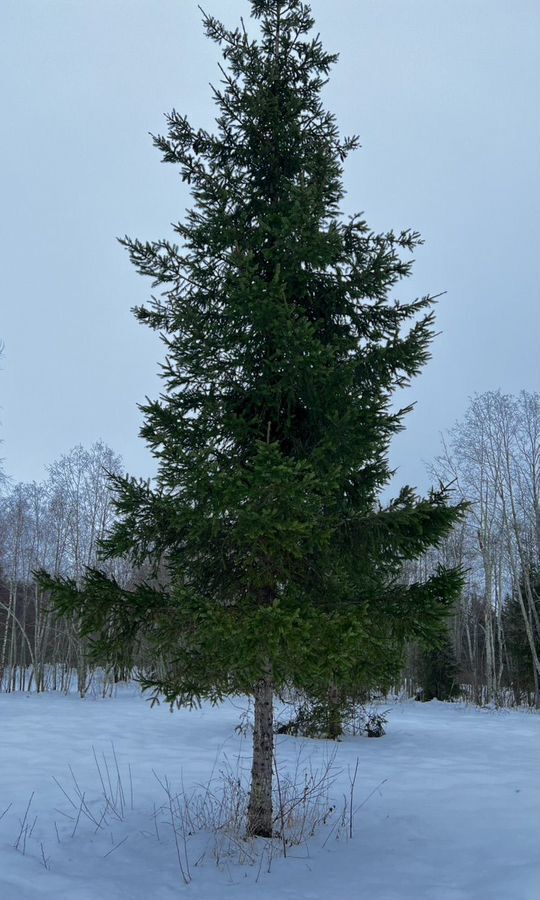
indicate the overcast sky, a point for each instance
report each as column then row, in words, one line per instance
column 446, row 99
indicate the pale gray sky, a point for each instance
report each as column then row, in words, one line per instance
column 446, row 99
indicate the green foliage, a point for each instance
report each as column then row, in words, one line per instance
column 438, row 671
column 518, row 652
column 331, row 717
column 284, row 347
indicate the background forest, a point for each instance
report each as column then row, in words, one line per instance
column 491, row 655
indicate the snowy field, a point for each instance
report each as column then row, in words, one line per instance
column 447, row 806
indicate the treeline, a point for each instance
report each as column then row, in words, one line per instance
column 492, row 458
column 492, row 651
column 55, row 524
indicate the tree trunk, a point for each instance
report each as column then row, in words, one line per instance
column 335, row 724
column 259, row 822
column 536, row 690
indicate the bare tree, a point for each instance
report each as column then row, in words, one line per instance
column 493, row 457
column 57, row 524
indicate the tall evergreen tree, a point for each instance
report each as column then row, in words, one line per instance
column 284, row 347
column 438, row 671
column 520, row 673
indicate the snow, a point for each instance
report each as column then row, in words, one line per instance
column 449, row 805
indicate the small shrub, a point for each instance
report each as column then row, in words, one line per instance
column 375, row 722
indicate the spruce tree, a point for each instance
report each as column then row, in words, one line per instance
column 438, row 671
column 520, row 672
column 284, row 345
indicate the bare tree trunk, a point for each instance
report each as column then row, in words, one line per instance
column 501, row 640
column 259, row 822
column 335, row 724
column 490, row 670
column 536, row 690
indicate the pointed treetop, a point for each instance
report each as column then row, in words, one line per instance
column 284, row 12
column 284, row 25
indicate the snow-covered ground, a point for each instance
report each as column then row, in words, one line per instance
column 453, row 813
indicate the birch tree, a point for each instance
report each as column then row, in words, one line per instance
column 493, row 456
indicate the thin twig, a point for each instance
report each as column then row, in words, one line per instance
column 116, row 846
column 43, row 858
column 7, row 809
column 78, row 817
column 23, row 823
column 281, row 807
column 351, row 797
